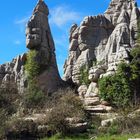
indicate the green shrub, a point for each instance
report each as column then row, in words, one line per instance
column 124, row 125
column 84, row 73
column 31, row 66
column 101, row 62
column 66, row 106
column 9, row 98
column 116, row 89
column 34, row 97
column 9, row 101
column 20, row 129
column 138, row 35
column 71, row 137
column 113, row 129
column 3, row 119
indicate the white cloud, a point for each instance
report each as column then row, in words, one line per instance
column 22, row 23
column 62, row 15
column 17, row 42
column 22, row 20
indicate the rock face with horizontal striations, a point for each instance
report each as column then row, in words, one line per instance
column 39, row 38
column 100, row 43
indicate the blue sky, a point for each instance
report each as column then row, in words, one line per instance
column 63, row 13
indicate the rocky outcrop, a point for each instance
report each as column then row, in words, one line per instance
column 12, row 74
column 86, row 44
column 39, row 38
column 104, row 38
column 100, row 43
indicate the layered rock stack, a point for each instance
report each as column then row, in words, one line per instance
column 101, row 43
column 90, row 94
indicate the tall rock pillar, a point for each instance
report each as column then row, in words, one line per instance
column 39, row 38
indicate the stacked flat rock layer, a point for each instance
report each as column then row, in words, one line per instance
column 104, row 40
column 39, row 38
column 90, row 94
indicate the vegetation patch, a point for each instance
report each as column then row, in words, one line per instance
column 34, row 97
column 116, row 89
column 84, row 73
column 9, row 102
column 31, row 66
column 66, row 106
column 122, row 88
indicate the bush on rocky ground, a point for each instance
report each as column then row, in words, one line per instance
column 34, row 97
column 9, row 101
column 122, row 89
column 18, row 128
column 84, row 75
column 122, row 125
column 66, row 105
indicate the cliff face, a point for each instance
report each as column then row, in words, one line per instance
column 100, row 43
column 39, row 38
column 105, row 39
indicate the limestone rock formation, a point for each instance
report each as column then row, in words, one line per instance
column 39, row 38
column 100, row 43
column 104, row 38
column 12, row 74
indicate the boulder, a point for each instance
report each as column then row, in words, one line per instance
column 82, row 90
column 92, row 90
column 91, row 101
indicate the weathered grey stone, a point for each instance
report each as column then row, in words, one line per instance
column 106, row 123
column 82, row 90
column 73, row 45
column 79, row 127
column 94, row 109
column 92, row 101
column 92, row 90
column 104, row 103
column 101, row 43
column 93, row 32
column 39, row 38
column 105, row 38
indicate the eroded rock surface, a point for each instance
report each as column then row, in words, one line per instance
column 101, row 43
column 12, row 74
column 39, row 38
column 105, row 39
